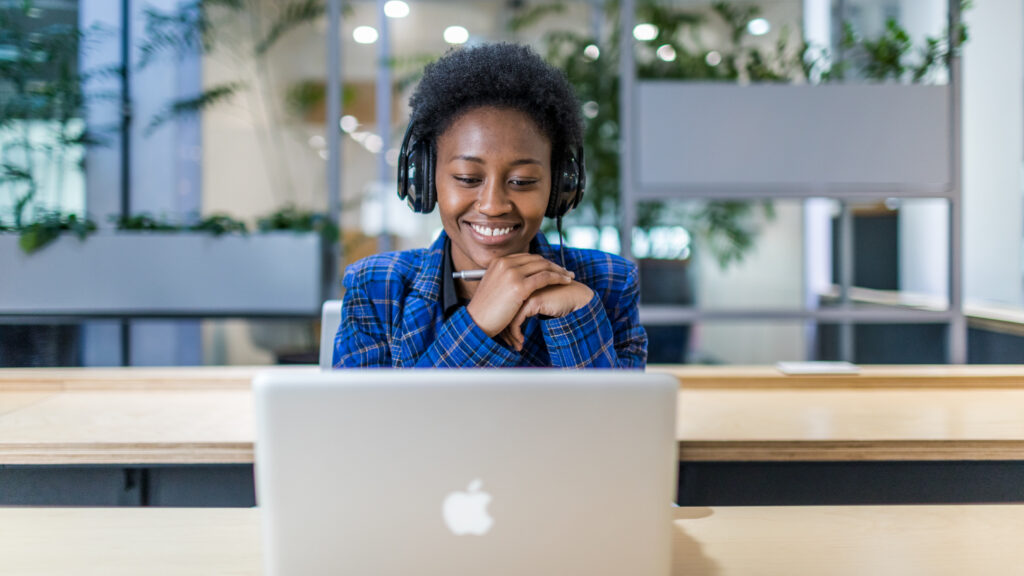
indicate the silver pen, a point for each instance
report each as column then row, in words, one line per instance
column 469, row 274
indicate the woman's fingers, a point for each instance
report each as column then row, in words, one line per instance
column 506, row 337
column 515, row 328
column 525, row 265
column 508, row 283
column 544, row 279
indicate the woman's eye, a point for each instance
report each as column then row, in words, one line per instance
column 523, row 183
column 467, row 180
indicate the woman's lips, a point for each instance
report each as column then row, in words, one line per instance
column 492, row 233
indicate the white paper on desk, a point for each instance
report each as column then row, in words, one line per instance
column 792, row 368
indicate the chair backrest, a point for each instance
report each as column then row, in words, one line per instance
column 330, row 319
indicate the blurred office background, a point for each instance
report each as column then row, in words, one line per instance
column 138, row 138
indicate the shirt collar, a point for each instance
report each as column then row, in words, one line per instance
column 449, row 298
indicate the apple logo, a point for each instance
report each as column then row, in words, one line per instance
column 466, row 512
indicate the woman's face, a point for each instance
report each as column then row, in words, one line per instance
column 493, row 179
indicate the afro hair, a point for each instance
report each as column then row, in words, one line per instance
column 504, row 76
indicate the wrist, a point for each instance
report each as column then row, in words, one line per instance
column 476, row 317
column 586, row 295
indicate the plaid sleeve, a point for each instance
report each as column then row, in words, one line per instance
column 460, row 343
column 589, row 338
column 361, row 341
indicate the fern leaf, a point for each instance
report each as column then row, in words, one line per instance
column 292, row 16
column 195, row 105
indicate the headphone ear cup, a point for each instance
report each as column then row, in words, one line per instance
column 555, row 200
column 413, row 177
column 429, row 184
column 408, row 169
column 566, row 189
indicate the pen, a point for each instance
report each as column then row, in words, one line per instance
column 469, row 274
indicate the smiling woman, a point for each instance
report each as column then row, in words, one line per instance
column 495, row 143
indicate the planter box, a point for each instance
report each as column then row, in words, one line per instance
column 154, row 273
column 696, row 138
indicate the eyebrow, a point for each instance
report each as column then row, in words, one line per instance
column 479, row 160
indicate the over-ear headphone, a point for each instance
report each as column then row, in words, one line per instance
column 416, row 177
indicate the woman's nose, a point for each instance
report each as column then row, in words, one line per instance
column 493, row 199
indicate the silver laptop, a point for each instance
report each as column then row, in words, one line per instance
column 467, row 472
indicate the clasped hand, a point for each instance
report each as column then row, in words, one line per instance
column 519, row 286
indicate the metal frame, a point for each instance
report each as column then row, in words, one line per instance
column 384, row 98
column 332, row 254
column 845, row 314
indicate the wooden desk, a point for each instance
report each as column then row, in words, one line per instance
column 67, row 416
column 136, row 436
column 203, row 415
column 896, row 540
column 948, row 415
column 690, row 376
column 902, row 376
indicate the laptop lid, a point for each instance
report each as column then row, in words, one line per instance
column 441, row 472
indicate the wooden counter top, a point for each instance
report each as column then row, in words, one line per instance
column 877, row 376
column 690, row 376
column 194, row 416
column 790, row 541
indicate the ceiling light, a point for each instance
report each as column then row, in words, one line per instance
column 645, row 32
column 456, row 35
column 373, row 143
column 758, row 27
column 349, row 123
column 365, row 34
column 396, row 9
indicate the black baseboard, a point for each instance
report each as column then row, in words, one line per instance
column 841, row 483
column 213, row 485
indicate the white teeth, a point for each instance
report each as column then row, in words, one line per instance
column 491, row 231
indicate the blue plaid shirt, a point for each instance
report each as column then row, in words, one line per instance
column 392, row 316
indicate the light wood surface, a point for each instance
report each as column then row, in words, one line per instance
column 908, row 376
column 194, row 416
column 840, row 541
column 850, row 425
column 129, row 427
column 179, row 377
column 785, row 541
column 129, row 541
column 690, row 376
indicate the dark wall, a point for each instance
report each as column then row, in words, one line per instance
column 876, row 240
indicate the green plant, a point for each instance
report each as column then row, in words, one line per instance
column 49, row 227
column 242, row 33
column 302, row 97
column 41, row 111
column 143, row 221
column 220, row 224
column 196, row 27
column 291, row 218
column 892, row 56
column 216, row 224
